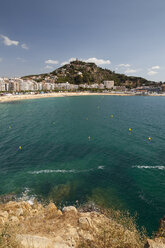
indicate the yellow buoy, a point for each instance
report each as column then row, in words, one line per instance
column 89, row 137
column 129, row 129
column 20, row 147
column 87, row 118
column 111, row 116
column 149, row 138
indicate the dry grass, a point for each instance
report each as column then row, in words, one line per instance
column 116, row 230
column 120, row 232
column 8, row 237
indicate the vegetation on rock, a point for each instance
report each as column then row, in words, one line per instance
column 79, row 72
column 25, row 225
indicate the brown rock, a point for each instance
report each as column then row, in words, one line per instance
column 4, row 214
column 2, row 221
column 59, row 212
column 19, row 212
column 34, row 241
column 85, row 223
column 51, row 208
column 69, row 210
column 14, row 219
column 157, row 243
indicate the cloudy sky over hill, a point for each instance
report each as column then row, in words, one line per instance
column 38, row 36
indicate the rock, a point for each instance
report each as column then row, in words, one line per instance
column 3, row 217
column 29, row 241
column 7, row 198
column 70, row 210
column 59, row 243
column 51, row 207
column 85, row 235
column 14, row 219
column 59, row 212
column 85, row 223
column 37, row 206
column 72, row 236
column 4, row 214
column 157, row 243
column 34, row 211
column 2, row 221
column 13, row 206
column 19, row 212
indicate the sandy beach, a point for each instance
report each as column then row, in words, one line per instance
column 10, row 98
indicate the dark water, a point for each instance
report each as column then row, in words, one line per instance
column 58, row 161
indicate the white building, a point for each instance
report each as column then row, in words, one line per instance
column 108, row 84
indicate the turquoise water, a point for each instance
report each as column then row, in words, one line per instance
column 58, row 161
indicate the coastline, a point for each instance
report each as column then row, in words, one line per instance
column 21, row 225
column 10, row 98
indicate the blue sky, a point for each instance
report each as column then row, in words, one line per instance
column 126, row 36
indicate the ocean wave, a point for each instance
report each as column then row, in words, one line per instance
column 65, row 171
column 157, row 167
column 27, row 196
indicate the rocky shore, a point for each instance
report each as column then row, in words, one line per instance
column 23, row 225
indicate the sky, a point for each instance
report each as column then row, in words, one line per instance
column 126, row 36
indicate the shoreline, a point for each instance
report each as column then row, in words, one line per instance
column 71, row 227
column 11, row 98
column 56, row 94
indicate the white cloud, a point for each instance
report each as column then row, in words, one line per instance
column 124, row 65
column 24, row 46
column 97, row 61
column 67, row 62
column 153, row 70
column 156, row 67
column 1, row 59
column 90, row 60
column 129, row 71
column 151, row 73
column 48, row 67
column 8, row 42
column 52, row 62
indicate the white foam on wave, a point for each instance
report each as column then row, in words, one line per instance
column 51, row 171
column 27, row 197
column 65, row 171
column 158, row 167
column 101, row 167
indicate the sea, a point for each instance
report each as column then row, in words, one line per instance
column 77, row 150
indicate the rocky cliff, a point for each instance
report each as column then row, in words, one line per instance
column 36, row 226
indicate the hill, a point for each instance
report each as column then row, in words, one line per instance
column 79, row 72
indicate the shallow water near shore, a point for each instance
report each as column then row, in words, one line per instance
column 58, row 161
